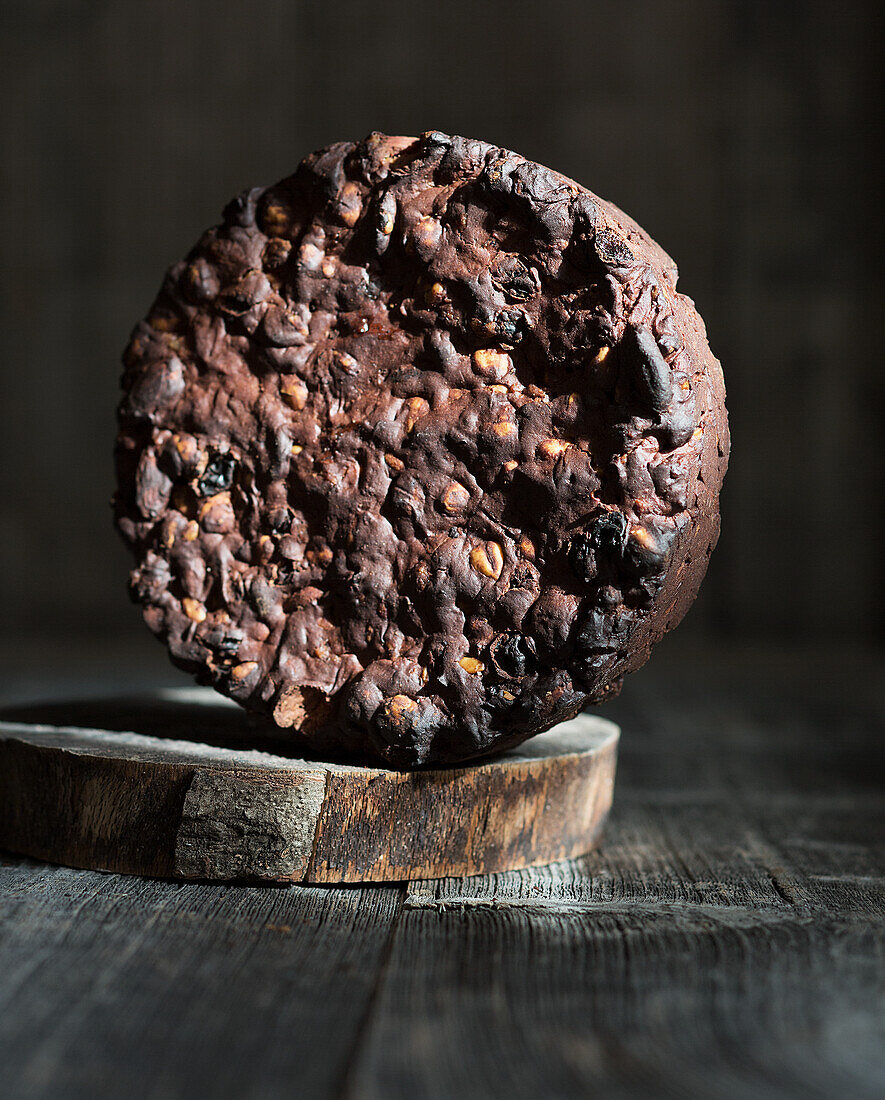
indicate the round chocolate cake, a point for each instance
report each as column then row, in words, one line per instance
column 420, row 451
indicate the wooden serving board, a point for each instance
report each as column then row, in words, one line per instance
column 165, row 786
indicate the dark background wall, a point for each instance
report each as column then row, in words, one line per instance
column 741, row 135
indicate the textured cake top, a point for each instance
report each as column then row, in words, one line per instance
column 420, row 450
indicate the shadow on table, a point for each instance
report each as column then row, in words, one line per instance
column 174, row 714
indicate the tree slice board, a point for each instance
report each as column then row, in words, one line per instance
column 166, row 786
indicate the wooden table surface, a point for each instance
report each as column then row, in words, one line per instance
column 727, row 940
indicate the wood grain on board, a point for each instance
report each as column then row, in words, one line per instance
column 110, row 799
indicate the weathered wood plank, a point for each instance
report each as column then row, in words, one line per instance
column 626, row 999
column 122, row 987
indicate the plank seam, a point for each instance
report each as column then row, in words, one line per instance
column 344, row 1088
